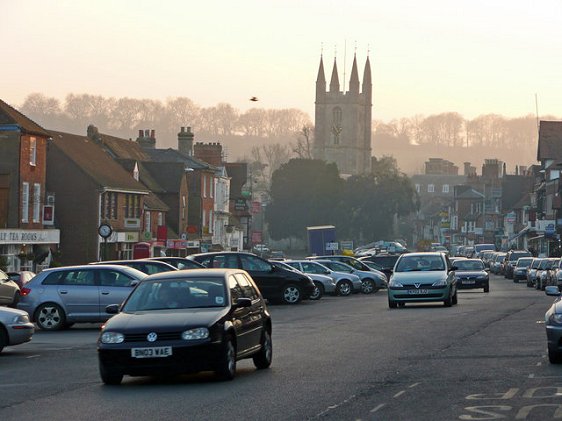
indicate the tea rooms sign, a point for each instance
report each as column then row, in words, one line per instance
column 15, row 236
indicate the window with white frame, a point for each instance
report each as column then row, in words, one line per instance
column 430, row 188
column 32, row 151
column 445, row 188
column 160, row 218
column 25, row 202
column 204, row 185
column 36, row 202
column 210, row 221
column 417, row 188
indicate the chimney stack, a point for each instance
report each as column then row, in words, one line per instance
column 185, row 141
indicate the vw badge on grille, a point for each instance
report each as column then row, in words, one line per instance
column 151, row 337
column 417, row 285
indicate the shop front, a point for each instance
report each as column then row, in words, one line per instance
column 27, row 249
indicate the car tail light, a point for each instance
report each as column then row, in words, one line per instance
column 25, row 291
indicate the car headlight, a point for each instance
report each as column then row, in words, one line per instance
column 394, row 283
column 440, row 283
column 555, row 319
column 483, row 278
column 24, row 318
column 194, row 334
column 112, row 338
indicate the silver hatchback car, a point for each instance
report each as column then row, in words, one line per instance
column 57, row 298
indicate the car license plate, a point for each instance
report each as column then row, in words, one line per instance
column 418, row 291
column 155, row 352
column 468, row 281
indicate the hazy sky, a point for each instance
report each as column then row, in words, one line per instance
column 469, row 56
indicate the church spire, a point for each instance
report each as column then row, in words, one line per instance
column 367, row 85
column 354, row 80
column 320, row 80
column 335, row 81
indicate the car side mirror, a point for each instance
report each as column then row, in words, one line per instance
column 134, row 283
column 486, row 269
column 112, row 309
column 243, row 302
column 552, row 290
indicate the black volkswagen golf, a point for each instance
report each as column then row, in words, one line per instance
column 186, row 321
column 276, row 284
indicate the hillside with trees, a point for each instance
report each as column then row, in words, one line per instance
column 272, row 137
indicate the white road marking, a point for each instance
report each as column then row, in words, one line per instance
column 376, row 408
column 33, row 356
column 532, row 376
column 413, row 385
column 399, row 393
column 539, row 364
column 332, row 407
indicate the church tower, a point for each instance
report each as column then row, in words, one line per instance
column 342, row 132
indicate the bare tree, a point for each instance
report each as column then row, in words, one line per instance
column 303, row 145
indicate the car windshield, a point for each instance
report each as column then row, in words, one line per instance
column 177, row 294
column 524, row 262
column 420, row 263
column 469, row 265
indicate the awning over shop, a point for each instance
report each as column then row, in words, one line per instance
column 519, row 234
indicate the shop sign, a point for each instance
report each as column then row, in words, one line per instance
column 17, row 236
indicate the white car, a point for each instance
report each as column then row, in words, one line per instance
column 346, row 283
column 371, row 281
column 15, row 327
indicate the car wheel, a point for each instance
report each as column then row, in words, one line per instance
column 449, row 301
column 344, row 288
column 3, row 338
column 291, row 294
column 487, row 288
column 392, row 303
column 50, row 317
column 318, row 291
column 265, row 355
column 108, row 376
column 368, row 286
column 16, row 300
column 226, row 369
column 554, row 356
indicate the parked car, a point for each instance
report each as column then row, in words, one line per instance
column 479, row 248
column 22, row 277
column 471, row 273
column 532, row 271
column 384, row 262
column 178, row 262
column 187, row 321
column 346, row 283
column 147, row 266
column 422, row 277
column 323, row 283
column 510, row 260
column 520, row 269
column 496, row 263
column 59, row 297
column 15, row 327
column 543, row 275
column 370, row 281
column 553, row 324
column 275, row 283
column 9, row 291
column 348, row 260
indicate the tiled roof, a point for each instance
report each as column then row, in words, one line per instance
column 9, row 115
column 123, row 148
column 173, row 155
column 152, row 201
column 550, row 140
column 97, row 163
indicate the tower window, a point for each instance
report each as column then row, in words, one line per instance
column 336, row 124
